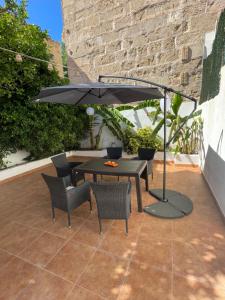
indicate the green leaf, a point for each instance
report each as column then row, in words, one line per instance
column 176, row 103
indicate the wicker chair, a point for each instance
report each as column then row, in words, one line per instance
column 148, row 155
column 113, row 200
column 65, row 168
column 66, row 197
column 113, row 153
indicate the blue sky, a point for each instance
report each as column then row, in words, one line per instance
column 47, row 14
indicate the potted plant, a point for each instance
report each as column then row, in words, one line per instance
column 142, row 139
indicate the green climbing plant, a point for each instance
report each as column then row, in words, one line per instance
column 41, row 129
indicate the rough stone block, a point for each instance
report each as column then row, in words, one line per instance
column 141, row 38
column 202, row 23
column 114, row 46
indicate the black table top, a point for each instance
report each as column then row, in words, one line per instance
column 125, row 167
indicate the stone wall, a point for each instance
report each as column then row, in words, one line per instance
column 55, row 49
column 159, row 40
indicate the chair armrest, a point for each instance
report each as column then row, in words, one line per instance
column 77, row 195
column 67, row 181
column 74, row 164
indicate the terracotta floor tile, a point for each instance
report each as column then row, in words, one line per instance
column 43, row 249
column 79, row 293
column 45, row 286
column 143, row 283
column 118, row 243
column 198, row 255
column 198, row 231
column 212, row 256
column 21, row 280
column 4, row 258
column 134, row 222
column 191, row 289
column 186, row 260
column 27, row 218
column 60, row 227
column 157, row 254
column 104, row 275
column 17, row 237
column 156, row 229
column 89, row 233
column 15, row 277
column 71, row 260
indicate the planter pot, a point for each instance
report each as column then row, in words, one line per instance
column 186, row 159
column 146, row 153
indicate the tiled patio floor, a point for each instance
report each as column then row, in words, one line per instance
column 159, row 259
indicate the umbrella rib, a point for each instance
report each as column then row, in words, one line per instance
column 88, row 92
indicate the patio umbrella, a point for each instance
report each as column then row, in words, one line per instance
column 171, row 204
column 98, row 93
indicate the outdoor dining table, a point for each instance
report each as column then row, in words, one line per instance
column 128, row 168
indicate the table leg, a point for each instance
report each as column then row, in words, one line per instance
column 95, row 177
column 146, row 179
column 138, row 190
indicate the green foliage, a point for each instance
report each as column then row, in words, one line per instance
column 143, row 137
column 188, row 139
column 185, row 140
column 213, row 63
column 114, row 121
column 41, row 129
column 64, row 59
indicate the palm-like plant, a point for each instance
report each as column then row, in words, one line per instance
column 184, row 137
column 113, row 120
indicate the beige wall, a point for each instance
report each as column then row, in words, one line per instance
column 139, row 38
column 55, row 49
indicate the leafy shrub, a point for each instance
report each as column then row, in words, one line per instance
column 41, row 129
column 144, row 138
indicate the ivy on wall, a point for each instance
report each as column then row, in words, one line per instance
column 213, row 63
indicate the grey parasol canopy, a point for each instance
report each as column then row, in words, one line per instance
column 97, row 93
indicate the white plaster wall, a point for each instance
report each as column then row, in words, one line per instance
column 16, row 158
column 213, row 148
column 140, row 119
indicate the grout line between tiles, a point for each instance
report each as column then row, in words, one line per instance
column 129, row 262
column 86, row 267
column 34, row 265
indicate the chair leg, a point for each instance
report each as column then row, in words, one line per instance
column 100, row 225
column 90, row 205
column 69, row 222
column 53, row 214
column 152, row 175
column 126, row 226
column 118, row 178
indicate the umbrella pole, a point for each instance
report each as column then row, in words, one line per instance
column 172, row 204
column 164, row 148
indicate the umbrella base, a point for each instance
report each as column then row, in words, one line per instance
column 176, row 205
